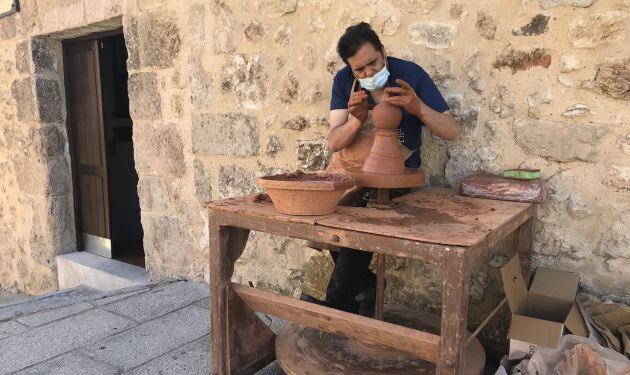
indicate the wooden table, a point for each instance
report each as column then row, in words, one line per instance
column 434, row 225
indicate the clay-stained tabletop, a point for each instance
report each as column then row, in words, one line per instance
column 432, row 215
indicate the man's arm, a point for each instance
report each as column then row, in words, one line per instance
column 346, row 123
column 441, row 124
column 343, row 129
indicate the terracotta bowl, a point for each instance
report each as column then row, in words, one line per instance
column 306, row 193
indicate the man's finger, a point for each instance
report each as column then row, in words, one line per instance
column 395, row 90
column 395, row 100
column 403, row 84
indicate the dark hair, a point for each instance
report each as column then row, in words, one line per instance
column 354, row 38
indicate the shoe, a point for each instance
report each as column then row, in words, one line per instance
column 367, row 301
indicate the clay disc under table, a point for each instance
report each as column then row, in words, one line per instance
column 408, row 179
column 302, row 350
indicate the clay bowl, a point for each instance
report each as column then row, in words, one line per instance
column 386, row 116
column 306, row 193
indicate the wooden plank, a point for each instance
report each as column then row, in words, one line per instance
column 432, row 215
column 248, row 205
column 344, row 238
column 455, row 287
column 252, row 343
column 380, row 286
column 421, row 344
column 226, row 246
column 525, row 244
column 502, row 232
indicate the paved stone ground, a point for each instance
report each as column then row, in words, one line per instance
column 154, row 329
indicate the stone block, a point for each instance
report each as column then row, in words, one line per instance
column 11, row 328
column 47, row 316
column 158, row 40
column 159, row 150
column 145, row 102
column 131, row 348
column 161, row 300
column 274, row 145
column 8, row 28
column 131, row 42
column 21, row 57
column 560, row 141
column 616, row 241
column 72, row 363
column 434, row 35
column 50, row 301
column 313, row 155
column 612, row 78
column 569, row 63
column 53, row 339
column 522, row 59
column 22, row 91
column 276, row 8
column 200, row 85
column 190, row 359
column 84, row 268
column 537, row 26
column 49, row 177
column 486, row 25
column 223, row 26
column 47, row 140
column 255, row 31
column 231, row 134
column 546, row 4
column 44, row 56
column 416, row 6
column 49, row 100
column 467, row 115
column 619, row 177
column 290, row 88
column 236, row 181
column 297, row 123
column 203, row 182
column 596, row 29
column 244, row 76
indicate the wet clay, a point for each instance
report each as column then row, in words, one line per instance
column 385, row 155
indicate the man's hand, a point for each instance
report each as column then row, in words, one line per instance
column 405, row 98
column 358, row 105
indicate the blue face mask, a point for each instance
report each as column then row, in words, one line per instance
column 377, row 81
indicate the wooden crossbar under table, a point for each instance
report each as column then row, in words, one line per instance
column 434, row 225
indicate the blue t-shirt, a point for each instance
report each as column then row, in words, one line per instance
column 409, row 130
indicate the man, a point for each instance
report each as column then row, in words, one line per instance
column 371, row 77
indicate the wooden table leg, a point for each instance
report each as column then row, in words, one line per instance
column 380, row 286
column 455, row 286
column 241, row 343
column 525, row 244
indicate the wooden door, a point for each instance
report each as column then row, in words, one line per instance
column 89, row 143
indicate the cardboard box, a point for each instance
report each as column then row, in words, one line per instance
column 545, row 312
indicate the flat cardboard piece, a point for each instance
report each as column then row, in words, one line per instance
column 513, row 283
column 575, row 322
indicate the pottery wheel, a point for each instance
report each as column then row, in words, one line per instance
column 408, row 179
column 303, row 350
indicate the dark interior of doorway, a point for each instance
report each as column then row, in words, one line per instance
column 124, row 205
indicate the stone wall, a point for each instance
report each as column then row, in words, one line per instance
column 224, row 91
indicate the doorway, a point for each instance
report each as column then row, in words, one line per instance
column 107, row 207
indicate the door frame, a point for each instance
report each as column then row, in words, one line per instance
column 70, row 131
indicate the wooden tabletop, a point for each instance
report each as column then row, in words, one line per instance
column 432, row 215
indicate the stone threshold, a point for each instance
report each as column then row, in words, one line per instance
column 94, row 271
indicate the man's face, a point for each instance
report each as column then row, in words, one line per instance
column 367, row 61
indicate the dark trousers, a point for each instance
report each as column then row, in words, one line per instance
column 351, row 274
